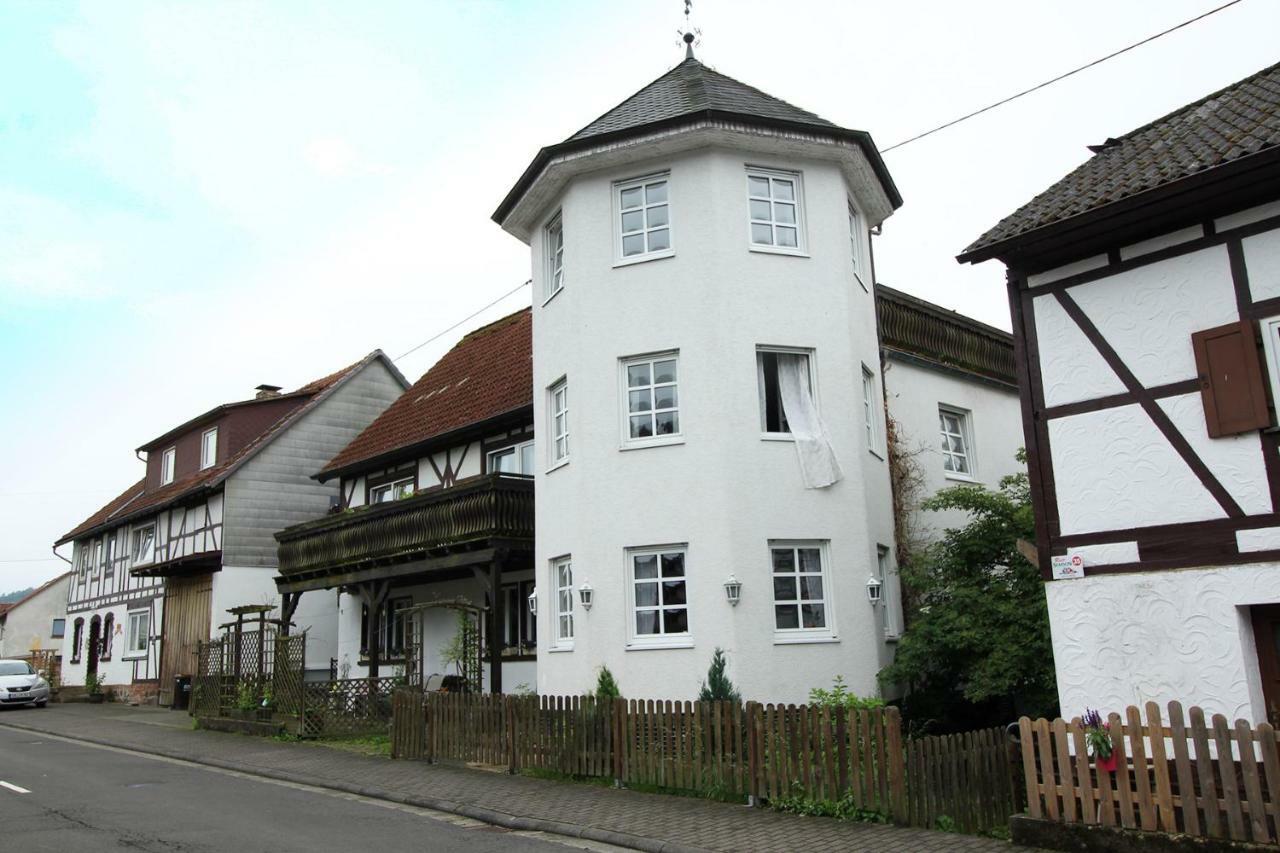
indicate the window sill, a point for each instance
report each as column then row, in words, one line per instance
column 547, row 301
column 640, row 259
column 773, row 250
column 557, row 466
column 665, row 441
column 777, row 436
column 647, row 645
column 557, row 649
column 892, row 638
column 786, row 640
column 133, row 656
column 961, row 478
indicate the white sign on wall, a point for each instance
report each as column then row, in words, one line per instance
column 1067, row 567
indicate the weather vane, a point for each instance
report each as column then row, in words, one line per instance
column 688, row 35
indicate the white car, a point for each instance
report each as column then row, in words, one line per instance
column 22, row 685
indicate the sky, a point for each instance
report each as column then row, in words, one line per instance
column 196, row 198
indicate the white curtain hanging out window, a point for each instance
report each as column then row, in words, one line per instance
column 818, row 465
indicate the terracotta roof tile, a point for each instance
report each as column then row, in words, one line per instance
column 136, row 499
column 487, row 374
column 1242, row 119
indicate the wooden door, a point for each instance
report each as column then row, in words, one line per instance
column 1266, row 637
column 187, row 603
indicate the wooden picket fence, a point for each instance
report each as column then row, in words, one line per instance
column 1185, row 775
column 755, row 752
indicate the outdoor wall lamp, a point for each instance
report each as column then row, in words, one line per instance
column 733, row 590
column 533, row 601
column 874, row 589
column 585, row 594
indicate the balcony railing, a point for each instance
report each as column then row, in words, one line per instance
column 489, row 506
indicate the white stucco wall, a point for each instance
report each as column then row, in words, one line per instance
column 28, row 625
column 723, row 491
column 1127, row 639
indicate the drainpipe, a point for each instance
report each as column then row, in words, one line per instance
column 59, row 556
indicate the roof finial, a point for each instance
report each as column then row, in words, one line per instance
column 689, row 32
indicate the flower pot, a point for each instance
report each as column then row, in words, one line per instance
column 1105, row 765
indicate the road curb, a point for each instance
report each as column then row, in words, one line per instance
column 520, row 823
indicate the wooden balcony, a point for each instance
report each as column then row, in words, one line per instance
column 451, row 528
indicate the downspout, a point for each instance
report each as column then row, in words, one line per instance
column 60, row 557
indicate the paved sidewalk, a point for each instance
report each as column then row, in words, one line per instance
column 653, row 822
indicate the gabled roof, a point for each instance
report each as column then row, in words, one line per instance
column 911, row 325
column 136, row 500
column 1231, row 124
column 489, row 373
column 690, row 92
column 8, row 607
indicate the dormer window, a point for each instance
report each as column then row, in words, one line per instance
column 166, row 466
column 773, row 199
column 208, row 448
column 392, row 491
column 555, row 257
column 644, row 219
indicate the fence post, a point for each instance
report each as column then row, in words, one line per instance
column 754, row 750
column 509, row 705
column 896, row 765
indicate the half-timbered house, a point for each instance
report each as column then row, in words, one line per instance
column 1145, row 291
column 154, row 568
column 436, row 507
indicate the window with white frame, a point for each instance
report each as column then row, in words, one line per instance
column 643, row 217
column 659, row 595
column 855, row 245
column 402, row 487
column 776, row 370
column 517, row 459
column 800, row 593
column 139, row 633
column 558, row 398
column 957, row 441
column 870, row 411
column 652, row 398
column 554, row 244
column 1271, row 349
column 166, row 466
column 109, row 557
column 562, row 613
column 208, row 448
column 84, row 558
column 520, row 627
column 144, row 542
column 774, row 202
column 884, row 571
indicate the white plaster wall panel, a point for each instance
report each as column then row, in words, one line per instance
column 715, row 301
column 1261, row 539
column 1113, row 469
column 1106, row 555
column 1127, row 639
column 1147, row 314
column 1164, row 241
column 28, row 625
column 1236, row 460
column 1071, row 367
column 914, row 392
column 1247, row 216
column 1262, row 261
column 1067, row 270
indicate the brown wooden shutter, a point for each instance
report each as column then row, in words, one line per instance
column 1231, row 383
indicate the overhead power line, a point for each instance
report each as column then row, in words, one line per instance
column 32, row 560
column 470, row 316
column 1073, row 71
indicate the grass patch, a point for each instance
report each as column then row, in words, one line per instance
column 377, row 746
column 717, row 793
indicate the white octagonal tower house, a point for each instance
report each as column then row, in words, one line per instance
column 707, row 394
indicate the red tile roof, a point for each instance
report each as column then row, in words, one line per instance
column 487, row 374
column 136, row 499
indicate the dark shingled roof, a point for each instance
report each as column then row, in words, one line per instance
column 488, row 373
column 136, row 499
column 1242, row 119
column 692, row 87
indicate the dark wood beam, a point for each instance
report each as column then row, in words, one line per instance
column 404, row 570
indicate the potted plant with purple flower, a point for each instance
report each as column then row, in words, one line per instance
column 1097, row 735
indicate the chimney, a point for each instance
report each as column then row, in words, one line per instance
column 265, row 391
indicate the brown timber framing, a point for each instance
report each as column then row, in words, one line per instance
column 1210, row 542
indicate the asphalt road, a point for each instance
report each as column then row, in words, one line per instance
column 65, row 796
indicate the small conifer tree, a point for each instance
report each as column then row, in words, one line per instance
column 718, row 686
column 606, row 685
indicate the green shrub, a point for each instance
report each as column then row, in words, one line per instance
column 840, row 696
column 799, row 802
column 718, row 686
column 606, row 685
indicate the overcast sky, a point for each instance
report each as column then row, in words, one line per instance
column 198, row 198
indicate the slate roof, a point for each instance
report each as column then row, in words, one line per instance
column 135, row 500
column 692, row 87
column 488, row 373
column 1232, row 123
